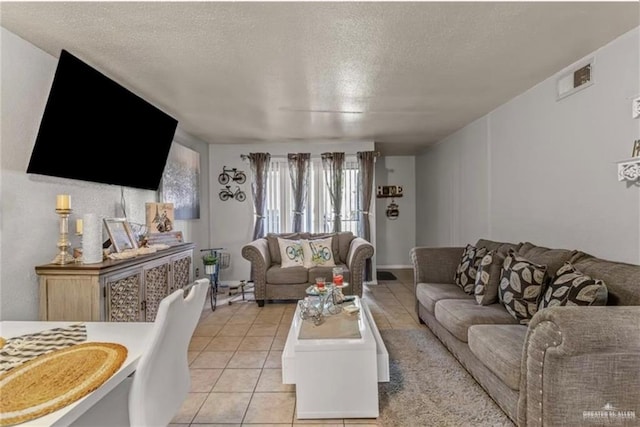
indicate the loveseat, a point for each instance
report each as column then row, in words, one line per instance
column 274, row 282
column 569, row 366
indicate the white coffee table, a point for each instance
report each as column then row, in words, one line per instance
column 336, row 378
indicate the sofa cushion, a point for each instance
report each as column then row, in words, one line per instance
column 552, row 258
column 622, row 281
column 465, row 276
column 274, row 248
column 277, row 275
column 291, row 253
column 572, row 287
column 499, row 348
column 318, row 252
column 521, row 286
column 499, row 247
column 428, row 294
column 488, row 278
column 456, row 316
column 335, row 242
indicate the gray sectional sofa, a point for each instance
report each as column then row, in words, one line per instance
column 272, row 282
column 563, row 367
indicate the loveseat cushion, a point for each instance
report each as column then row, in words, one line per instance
column 428, row 294
column 499, row 348
column 621, row 278
column 274, row 247
column 344, row 244
column 499, row 247
column 457, row 316
column 277, row 275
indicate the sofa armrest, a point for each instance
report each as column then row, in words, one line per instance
column 435, row 265
column 257, row 252
column 359, row 251
column 578, row 359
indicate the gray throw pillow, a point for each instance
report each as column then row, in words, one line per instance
column 521, row 286
column 572, row 287
column 488, row 278
column 465, row 275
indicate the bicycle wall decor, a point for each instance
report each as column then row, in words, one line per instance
column 232, row 174
column 227, row 194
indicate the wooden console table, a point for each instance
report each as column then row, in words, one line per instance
column 114, row 290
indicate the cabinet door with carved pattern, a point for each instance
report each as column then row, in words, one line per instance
column 181, row 274
column 123, row 301
column 156, row 284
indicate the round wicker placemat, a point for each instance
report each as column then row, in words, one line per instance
column 57, row 379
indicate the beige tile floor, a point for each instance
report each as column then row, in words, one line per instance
column 235, row 359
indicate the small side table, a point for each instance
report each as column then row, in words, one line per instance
column 240, row 286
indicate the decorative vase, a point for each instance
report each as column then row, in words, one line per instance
column 209, row 269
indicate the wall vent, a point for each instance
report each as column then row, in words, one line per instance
column 575, row 78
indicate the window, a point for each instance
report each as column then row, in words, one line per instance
column 318, row 214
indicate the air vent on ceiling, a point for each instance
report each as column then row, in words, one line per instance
column 575, row 78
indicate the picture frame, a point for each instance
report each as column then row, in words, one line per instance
column 120, row 234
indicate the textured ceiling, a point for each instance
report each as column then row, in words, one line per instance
column 403, row 74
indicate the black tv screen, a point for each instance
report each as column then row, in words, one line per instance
column 94, row 129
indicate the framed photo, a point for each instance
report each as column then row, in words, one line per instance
column 120, row 234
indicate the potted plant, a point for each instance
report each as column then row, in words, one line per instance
column 209, row 261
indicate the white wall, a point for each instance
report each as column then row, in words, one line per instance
column 395, row 238
column 542, row 170
column 232, row 221
column 29, row 224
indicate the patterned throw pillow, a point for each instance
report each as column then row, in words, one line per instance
column 465, row 276
column 318, row 253
column 291, row 253
column 571, row 287
column 488, row 278
column 521, row 286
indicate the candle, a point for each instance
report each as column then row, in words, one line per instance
column 79, row 226
column 63, row 201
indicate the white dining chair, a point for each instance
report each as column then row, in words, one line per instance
column 153, row 395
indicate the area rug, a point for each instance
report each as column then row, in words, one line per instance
column 428, row 387
column 385, row 275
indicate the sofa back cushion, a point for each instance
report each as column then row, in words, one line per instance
column 622, row 280
column 552, row 258
column 501, row 248
column 521, row 286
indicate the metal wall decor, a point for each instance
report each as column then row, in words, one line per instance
column 389, row 191
column 393, row 211
column 227, row 194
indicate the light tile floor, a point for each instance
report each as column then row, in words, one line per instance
column 235, row 359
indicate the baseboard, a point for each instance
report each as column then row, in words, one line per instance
column 393, row 266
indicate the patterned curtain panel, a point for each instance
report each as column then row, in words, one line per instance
column 259, row 169
column 299, row 172
column 366, row 169
column 333, row 165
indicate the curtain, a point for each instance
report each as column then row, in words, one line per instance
column 299, row 173
column 366, row 169
column 259, row 169
column 333, row 165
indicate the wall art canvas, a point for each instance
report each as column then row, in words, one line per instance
column 160, row 217
column 181, row 182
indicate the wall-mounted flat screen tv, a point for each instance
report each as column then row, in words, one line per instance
column 94, row 129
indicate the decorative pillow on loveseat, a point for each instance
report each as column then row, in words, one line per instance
column 465, row 276
column 572, row 287
column 291, row 253
column 521, row 286
column 488, row 278
column 318, row 253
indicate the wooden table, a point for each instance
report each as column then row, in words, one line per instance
column 132, row 335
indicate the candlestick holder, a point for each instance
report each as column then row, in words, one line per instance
column 63, row 257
